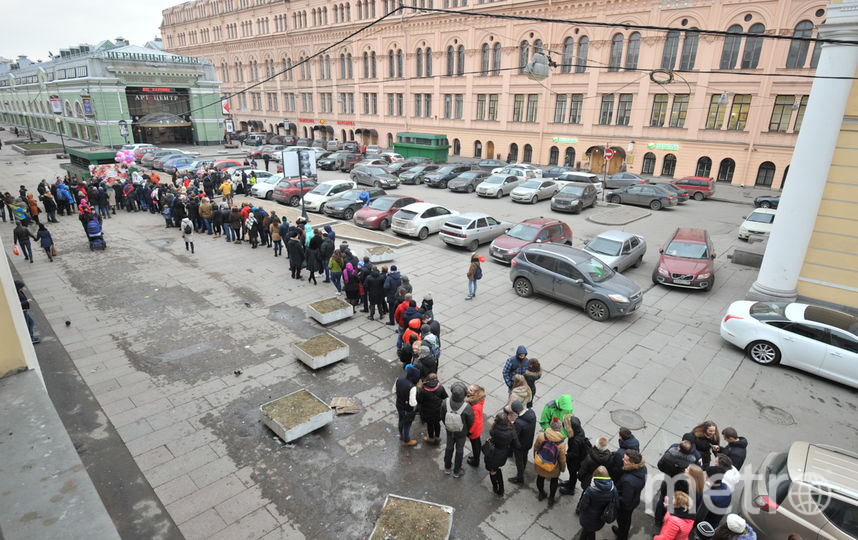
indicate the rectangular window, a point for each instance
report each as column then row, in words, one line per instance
column 342, row 100
column 560, row 108
column 390, row 100
column 715, row 118
column 310, row 102
column 517, row 108
column 532, row 107
column 739, row 112
column 460, row 104
column 366, row 102
column 575, row 104
column 493, row 107
column 448, row 106
column 800, row 114
column 679, row 110
column 659, row 110
column 481, row 106
column 427, row 105
column 781, row 114
column 304, row 102
column 418, row 104
column 374, row 98
column 606, row 110
column 624, row 109
column 399, row 104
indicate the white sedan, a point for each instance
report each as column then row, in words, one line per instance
column 264, row 187
column 420, row 219
column 315, row 200
column 758, row 223
column 819, row 340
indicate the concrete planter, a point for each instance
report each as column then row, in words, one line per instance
column 379, row 254
column 400, row 529
column 330, row 310
column 280, row 416
column 321, row 351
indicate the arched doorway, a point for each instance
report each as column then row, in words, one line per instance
column 765, row 174
column 490, row 150
column 270, row 128
column 569, row 157
column 617, row 162
column 668, row 166
column 373, row 137
column 648, row 165
column 457, row 147
column 351, row 135
column 513, row 153
column 597, row 160
column 527, row 156
column 478, row 149
column 243, row 125
column 725, row 170
column 553, row 155
column 343, row 135
column 704, row 166
column 783, row 180
column 305, row 132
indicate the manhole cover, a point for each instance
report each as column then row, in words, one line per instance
column 628, row 419
column 777, row 415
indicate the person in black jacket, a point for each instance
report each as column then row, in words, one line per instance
column 705, row 439
column 25, row 307
column 593, row 502
column 631, row 483
column 597, row 456
column 504, row 441
column 576, row 450
column 673, row 463
column 374, row 287
column 736, row 448
column 405, row 389
column 456, row 437
column 362, row 275
column 314, row 257
column 295, row 252
column 525, row 430
column 627, row 442
column 430, row 397
column 326, row 250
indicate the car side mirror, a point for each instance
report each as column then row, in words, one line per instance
column 507, row 229
column 661, row 250
column 744, row 217
column 539, row 240
column 578, row 281
column 713, row 256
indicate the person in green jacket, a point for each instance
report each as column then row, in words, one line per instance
column 559, row 407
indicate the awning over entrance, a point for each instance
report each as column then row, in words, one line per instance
column 162, row 119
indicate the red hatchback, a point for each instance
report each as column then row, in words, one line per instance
column 224, row 164
column 288, row 191
column 378, row 213
column 687, row 260
column 699, row 187
column 505, row 247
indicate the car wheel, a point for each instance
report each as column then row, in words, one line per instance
column 474, row 245
column 598, row 310
column 655, row 205
column 655, row 276
column 322, row 208
column 348, row 214
column 523, row 287
column 711, row 282
column 443, row 185
column 614, row 199
column 424, row 232
column 763, row 352
column 377, row 184
column 470, row 188
column 578, row 208
column 294, row 200
column 765, row 204
column 638, row 262
column 383, row 225
column 269, row 196
column 698, row 196
column 534, row 199
column 499, row 194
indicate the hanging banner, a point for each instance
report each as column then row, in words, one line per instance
column 87, row 106
column 224, row 107
column 56, row 106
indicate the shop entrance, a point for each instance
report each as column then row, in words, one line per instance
column 160, row 115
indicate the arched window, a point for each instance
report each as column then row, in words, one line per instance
column 457, row 147
column 349, row 73
column 391, row 64
column 765, row 174
column 569, row 157
column 496, row 59
column 568, row 55
column 523, row 55
column 583, row 50
column 527, row 157
column 478, row 149
column 399, row 62
column 689, row 51
column 671, row 49
column 451, row 60
column 704, row 167
column 484, row 59
column 372, row 65
column 513, row 153
column 537, row 46
column 390, row 140
column 342, row 66
column 648, row 165
column 419, row 62
column 428, row 62
column 633, row 51
column 669, row 165
column 753, row 47
column 725, row 170
column 366, row 65
column 460, row 60
column 616, row 53
column 730, row 52
column 798, row 49
column 553, row 155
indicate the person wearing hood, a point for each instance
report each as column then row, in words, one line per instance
column 459, row 418
column 251, row 225
column 351, row 285
column 502, row 441
column 475, row 272
column 34, row 208
column 430, row 396
column 295, row 252
column 188, row 234
column 411, row 313
column 430, row 340
column 678, row 523
column 598, row 455
column 549, row 459
column 391, row 285
column 364, row 273
column 426, row 361
column 627, row 441
column 406, row 284
column 736, row 448
column 411, row 335
column 630, row 485
column 476, row 399
column 533, row 373
column 314, row 257
column 560, row 407
column 593, row 502
column 577, row 447
column 428, row 305
column 326, row 250
column 51, row 207
column 405, row 389
column 331, row 234
column 525, row 430
column 374, row 286
column 516, row 365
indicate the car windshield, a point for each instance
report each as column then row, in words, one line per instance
column 531, row 184
column 322, row 189
column 375, row 170
column 468, row 175
column 334, row 155
column 575, row 191
column 605, row 246
column 687, row 250
column 768, row 310
column 445, row 170
column 417, row 169
column 761, row 217
column 523, row 232
column 595, row 269
column 382, row 203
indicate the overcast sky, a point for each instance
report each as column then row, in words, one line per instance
column 34, row 27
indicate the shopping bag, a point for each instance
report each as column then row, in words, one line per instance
column 53, row 250
column 15, row 250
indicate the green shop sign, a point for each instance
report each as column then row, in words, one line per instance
column 661, row 146
column 564, row 140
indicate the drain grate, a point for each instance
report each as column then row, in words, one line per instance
column 628, row 419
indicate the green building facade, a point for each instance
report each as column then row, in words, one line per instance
column 111, row 95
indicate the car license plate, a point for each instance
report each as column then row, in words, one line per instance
column 682, row 281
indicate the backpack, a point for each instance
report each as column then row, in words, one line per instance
column 188, row 229
column 609, row 513
column 453, row 419
column 546, row 455
column 479, row 272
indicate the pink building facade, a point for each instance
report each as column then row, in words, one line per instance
column 673, row 103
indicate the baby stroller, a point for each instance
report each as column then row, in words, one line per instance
column 95, row 235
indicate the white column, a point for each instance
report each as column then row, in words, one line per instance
column 811, row 160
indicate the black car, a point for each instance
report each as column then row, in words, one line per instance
column 656, row 197
column 401, row 166
column 767, row 201
column 468, row 181
column 574, row 197
column 623, row 179
column 373, row 176
column 444, row 174
column 681, row 193
column 329, row 162
column 348, row 202
column 351, row 146
column 490, row 164
column 415, row 174
column 554, row 172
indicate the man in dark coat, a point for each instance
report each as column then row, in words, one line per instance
column 326, row 250
column 374, row 287
column 295, row 251
column 406, row 402
column 736, row 448
column 576, row 450
column 631, row 484
column 525, row 429
column 627, row 442
column 456, row 438
column 673, row 463
column 362, row 275
column 391, row 286
column 593, row 502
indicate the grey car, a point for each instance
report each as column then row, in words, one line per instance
column 471, row 230
column 415, row 175
column 574, row 276
column 618, row 249
column 467, row 181
column 623, row 179
column 644, row 195
column 533, row 191
column 574, row 197
column 498, row 185
column 373, row 176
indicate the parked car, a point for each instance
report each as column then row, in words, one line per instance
column 758, row 223
column 527, row 170
column 288, row 191
column 373, row 176
column 767, row 201
column 505, row 247
column 809, row 491
column 687, row 260
column 392, row 157
column 420, row 219
column 235, row 173
column 498, row 185
column 415, row 174
column 815, row 339
column 490, row 164
column 177, row 162
column 222, row 164
column 584, row 177
column 329, row 162
column 472, row 229
column 333, row 145
column 145, row 150
column 264, row 187
column 534, row 191
column 618, row 249
column 643, row 195
column 623, row 179
column 315, row 200
column 574, row 197
column 149, row 158
column 194, row 167
column 137, row 146
column 400, row 166
column 160, row 163
column 304, row 142
column 441, row 177
column 554, row 172
column 258, row 151
column 345, row 204
column 681, row 195
column 351, row 146
column 467, row 181
column 348, row 160
column 379, row 212
column 285, row 140
column 377, row 162
column 699, row 187
column 320, row 144
column 572, row 275
column 372, row 149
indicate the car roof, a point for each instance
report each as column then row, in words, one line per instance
column 578, row 184
column 690, row 234
column 540, row 221
column 421, row 206
column 336, row 182
column 572, row 253
column 475, row 215
column 620, row 236
column 764, row 211
column 824, row 465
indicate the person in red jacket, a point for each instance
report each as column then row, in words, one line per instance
column 679, row 522
column 400, row 311
column 476, row 398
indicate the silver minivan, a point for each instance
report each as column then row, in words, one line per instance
column 472, row 229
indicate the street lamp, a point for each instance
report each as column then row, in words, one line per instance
column 59, row 122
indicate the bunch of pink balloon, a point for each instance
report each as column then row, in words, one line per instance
column 125, row 157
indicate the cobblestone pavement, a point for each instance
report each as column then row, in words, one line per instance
column 156, row 334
